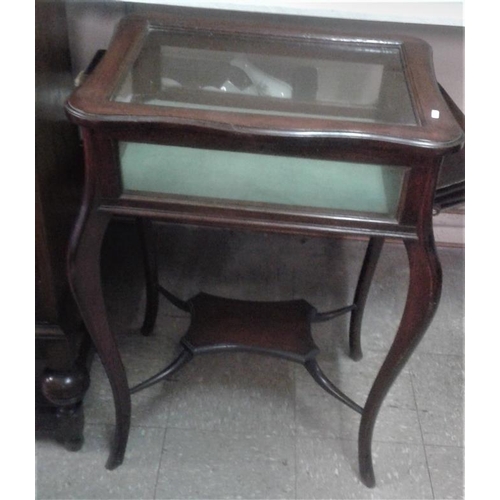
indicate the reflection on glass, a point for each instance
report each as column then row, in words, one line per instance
column 338, row 81
column 246, row 78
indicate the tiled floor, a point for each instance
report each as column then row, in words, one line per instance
column 247, row 426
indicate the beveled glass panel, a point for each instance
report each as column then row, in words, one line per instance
column 249, row 74
column 233, row 178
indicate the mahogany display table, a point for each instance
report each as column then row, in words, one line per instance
column 264, row 127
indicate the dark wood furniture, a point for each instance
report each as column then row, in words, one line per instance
column 269, row 127
column 61, row 341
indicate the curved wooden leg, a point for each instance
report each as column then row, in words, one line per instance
column 423, row 297
column 365, row 279
column 85, row 280
column 146, row 236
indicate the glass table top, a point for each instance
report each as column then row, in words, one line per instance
column 249, row 73
column 268, row 79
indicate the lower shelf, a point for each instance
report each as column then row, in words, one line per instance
column 279, row 329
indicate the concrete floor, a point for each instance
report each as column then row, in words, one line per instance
column 252, row 427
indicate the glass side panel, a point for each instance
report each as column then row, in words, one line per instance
column 256, row 179
column 354, row 81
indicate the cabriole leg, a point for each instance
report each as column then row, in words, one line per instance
column 146, row 236
column 85, row 280
column 364, row 282
column 423, row 297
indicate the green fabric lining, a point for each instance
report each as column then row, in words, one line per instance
column 258, row 178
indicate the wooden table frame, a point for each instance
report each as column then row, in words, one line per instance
column 420, row 149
